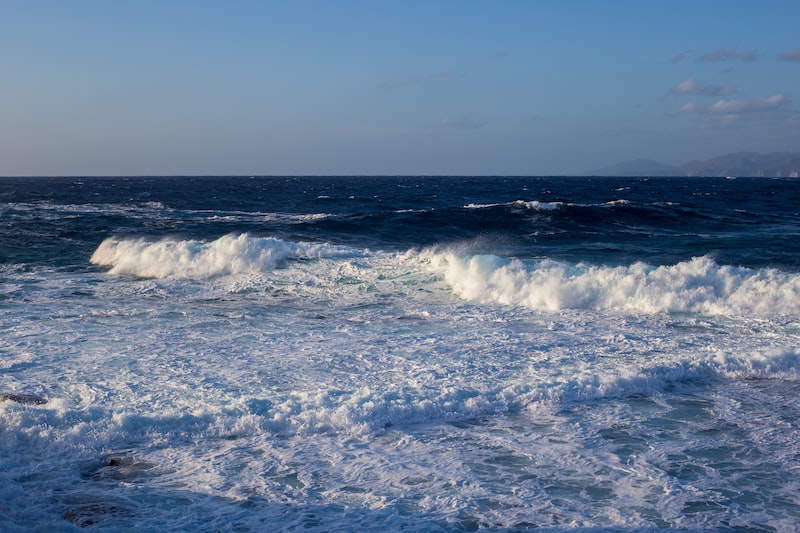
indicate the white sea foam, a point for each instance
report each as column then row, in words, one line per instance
column 251, row 384
column 153, row 210
column 481, row 206
column 318, row 388
column 695, row 286
column 190, row 259
column 534, row 205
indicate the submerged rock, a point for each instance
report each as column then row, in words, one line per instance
column 118, row 467
column 90, row 514
column 27, row 399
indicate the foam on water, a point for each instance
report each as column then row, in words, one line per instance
column 537, row 205
column 534, row 205
column 696, row 286
column 231, row 254
column 344, row 383
column 247, row 383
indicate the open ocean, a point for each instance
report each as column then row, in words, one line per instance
column 399, row 353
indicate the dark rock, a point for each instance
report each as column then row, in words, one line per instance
column 27, row 399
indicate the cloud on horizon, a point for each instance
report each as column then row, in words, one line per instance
column 790, row 55
column 691, row 87
column 727, row 54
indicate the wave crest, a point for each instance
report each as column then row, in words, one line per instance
column 534, row 205
column 192, row 259
column 695, row 286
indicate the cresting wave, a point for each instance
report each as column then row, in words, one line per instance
column 537, row 205
column 696, row 286
column 534, row 205
column 192, row 259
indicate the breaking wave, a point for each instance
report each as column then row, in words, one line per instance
column 193, row 259
column 534, row 205
column 695, row 286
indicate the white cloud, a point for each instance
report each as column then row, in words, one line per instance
column 738, row 107
column 690, row 86
column 685, row 109
column 725, row 111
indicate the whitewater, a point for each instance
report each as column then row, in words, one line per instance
column 422, row 354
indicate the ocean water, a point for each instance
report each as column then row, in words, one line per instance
column 399, row 353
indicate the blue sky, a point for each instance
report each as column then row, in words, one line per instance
column 391, row 87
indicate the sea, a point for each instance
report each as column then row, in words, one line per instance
column 248, row 354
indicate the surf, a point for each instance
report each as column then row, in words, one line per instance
column 198, row 259
column 699, row 285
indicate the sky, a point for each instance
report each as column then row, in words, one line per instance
column 433, row 87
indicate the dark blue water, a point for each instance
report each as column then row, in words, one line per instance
column 613, row 221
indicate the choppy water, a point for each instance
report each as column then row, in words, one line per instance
column 431, row 354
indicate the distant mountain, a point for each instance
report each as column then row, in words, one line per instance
column 747, row 164
column 638, row 167
column 741, row 164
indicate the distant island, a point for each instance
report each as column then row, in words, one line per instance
column 739, row 164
